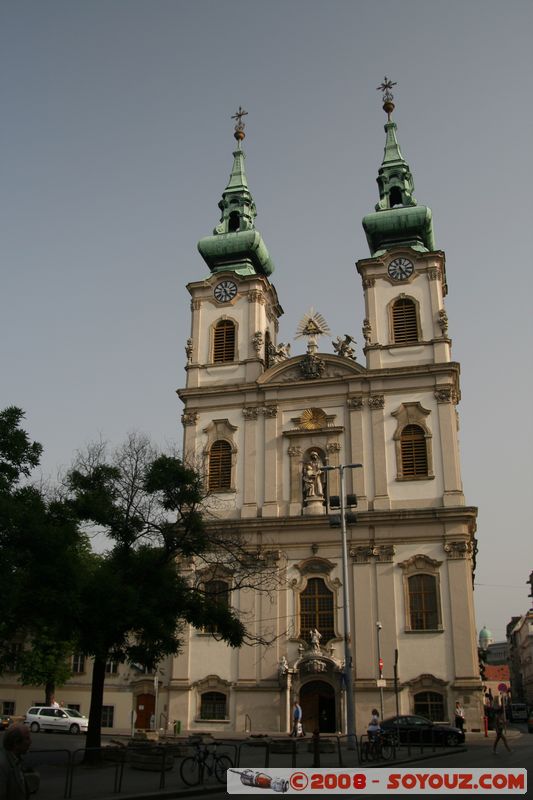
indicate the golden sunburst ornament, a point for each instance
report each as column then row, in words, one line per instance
column 312, row 419
column 312, row 325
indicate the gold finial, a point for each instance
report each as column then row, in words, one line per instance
column 388, row 96
column 239, row 126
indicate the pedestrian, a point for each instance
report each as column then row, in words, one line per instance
column 459, row 716
column 374, row 728
column 297, row 727
column 14, row 783
column 500, row 732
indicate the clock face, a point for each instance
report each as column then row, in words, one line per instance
column 225, row 291
column 400, row 268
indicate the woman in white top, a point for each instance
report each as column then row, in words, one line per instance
column 374, row 727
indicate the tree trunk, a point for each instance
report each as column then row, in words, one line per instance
column 95, row 714
column 49, row 692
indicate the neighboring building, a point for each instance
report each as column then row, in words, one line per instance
column 485, row 638
column 497, row 653
column 520, row 636
column 264, row 423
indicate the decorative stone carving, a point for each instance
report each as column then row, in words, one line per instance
column 457, row 549
column 367, row 331
column 385, row 553
column 312, row 366
column 342, row 346
column 294, row 451
column 257, row 341
column 188, row 350
column 368, row 283
column 277, row 354
column 355, row 402
column 419, row 563
column 315, row 665
column 189, row 417
column 256, row 296
column 283, row 666
column 443, row 321
column 333, row 447
column 195, row 305
column 362, row 554
column 315, row 636
column 250, row 413
column 434, row 274
column 376, row 402
column 269, row 411
column 446, row 394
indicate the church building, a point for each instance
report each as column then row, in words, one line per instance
column 290, row 443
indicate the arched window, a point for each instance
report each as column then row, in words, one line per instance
column 213, row 705
column 423, row 602
column 316, row 610
column 217, row 591
column 219, row 477
column 404, row 322
column 224, row 341
column 413, row 451
column 395, row 196
column 430, row 705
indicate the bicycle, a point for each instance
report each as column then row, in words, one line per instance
column 378, row 746
column 192, row 768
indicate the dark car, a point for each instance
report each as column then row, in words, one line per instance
column 414, row 729
column 5, row 721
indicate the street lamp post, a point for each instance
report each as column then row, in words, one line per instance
column 380, row 669
column 350, row 704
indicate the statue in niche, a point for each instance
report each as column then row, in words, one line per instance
column 312, row 476
column 283, row 666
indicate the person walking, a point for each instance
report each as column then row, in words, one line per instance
column 500, row 732
column 297, row 727
column 459, row 716
column 16, row 742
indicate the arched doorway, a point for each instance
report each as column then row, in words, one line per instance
column 317, row 699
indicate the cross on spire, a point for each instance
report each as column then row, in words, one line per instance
column 385, row 87
column 239, row 125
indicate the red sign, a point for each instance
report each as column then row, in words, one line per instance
column 381, row 665
column 502, row 688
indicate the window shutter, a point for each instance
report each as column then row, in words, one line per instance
column 224, row 342
column 404, row 324
column 414, row 451
column 220, row 466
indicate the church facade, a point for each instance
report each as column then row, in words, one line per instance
column 275, row 432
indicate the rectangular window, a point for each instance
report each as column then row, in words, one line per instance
column 111, row 667
column 8, row 707
column 423, row 602
column 108, row 714
column 78, row 663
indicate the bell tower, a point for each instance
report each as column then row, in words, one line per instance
column 235, row 309
column 404, row 280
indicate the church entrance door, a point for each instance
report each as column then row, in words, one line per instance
column 317, row 699
column 145, row 709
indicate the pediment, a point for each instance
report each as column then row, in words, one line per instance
column 296, row 369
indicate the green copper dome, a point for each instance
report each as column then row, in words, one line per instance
column 398, row 219
column 235, row 244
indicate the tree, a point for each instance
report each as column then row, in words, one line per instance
column 41, row 553
column 142, row 590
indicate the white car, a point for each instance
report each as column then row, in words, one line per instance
column 48, row 718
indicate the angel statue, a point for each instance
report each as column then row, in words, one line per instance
column 342, row 346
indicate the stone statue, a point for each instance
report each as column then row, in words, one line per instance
column 312, row 476
column 315, row 639
column 342, row 346
column 283, row 666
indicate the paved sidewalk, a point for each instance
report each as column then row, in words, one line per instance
column 99, row 783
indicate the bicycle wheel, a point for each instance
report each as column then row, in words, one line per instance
column 190, row 771
column 222, row 764
column 387, row 751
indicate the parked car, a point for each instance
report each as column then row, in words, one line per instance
column 48, row 718
column 5, row 721
column 414, row 729
column 530, row 722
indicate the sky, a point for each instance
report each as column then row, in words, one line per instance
column 116, row 142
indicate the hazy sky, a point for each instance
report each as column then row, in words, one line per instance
column 116, row 143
